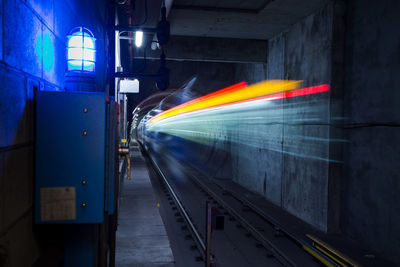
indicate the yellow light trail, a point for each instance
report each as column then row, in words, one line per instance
column 231, row 94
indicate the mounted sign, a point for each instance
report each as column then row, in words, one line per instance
column 129, row 86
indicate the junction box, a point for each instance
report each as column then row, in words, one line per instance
column 76, row 172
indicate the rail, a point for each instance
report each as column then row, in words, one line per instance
column 324, row 258
column 198, row 240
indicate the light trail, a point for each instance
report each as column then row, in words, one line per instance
column 232, row 94
column 300, row 127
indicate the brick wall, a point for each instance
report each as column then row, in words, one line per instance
column 33, row 56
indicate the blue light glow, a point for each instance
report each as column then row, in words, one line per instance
column 81, row 50
column 48, row 52
column 45, row 51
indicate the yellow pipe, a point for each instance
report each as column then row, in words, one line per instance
column 333, row 253
column 321, row 259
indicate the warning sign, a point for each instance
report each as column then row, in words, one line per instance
column 57, row 203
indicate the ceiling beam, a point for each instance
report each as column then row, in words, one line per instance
column 254, row 10
column 188, row 48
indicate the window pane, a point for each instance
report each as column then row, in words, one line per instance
column 88, row 42
column 75, row 53
column 75, row 41
column 89, row 54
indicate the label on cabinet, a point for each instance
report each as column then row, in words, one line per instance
column 57, row 203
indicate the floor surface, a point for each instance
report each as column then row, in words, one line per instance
column 141, row 236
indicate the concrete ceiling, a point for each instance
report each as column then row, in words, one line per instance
column 144, row 13
column 244, row 19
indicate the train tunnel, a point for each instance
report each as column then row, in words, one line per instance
column 199, row 133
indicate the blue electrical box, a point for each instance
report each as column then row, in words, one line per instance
column 74, row 164
column 112, row 183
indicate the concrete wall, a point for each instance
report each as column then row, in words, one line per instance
column 209, row 49
column 371, row 181
column 296, row 183
column 355, row 48
column 32, row 56
column 214, row 61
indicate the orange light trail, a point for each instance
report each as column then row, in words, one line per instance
column 298, row 92
column 289, row 94
column 232, row 94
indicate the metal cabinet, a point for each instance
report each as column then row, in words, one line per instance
column 76, row 180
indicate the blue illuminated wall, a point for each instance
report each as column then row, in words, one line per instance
column 33, row 36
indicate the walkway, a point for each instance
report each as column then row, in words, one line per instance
column 141, row 236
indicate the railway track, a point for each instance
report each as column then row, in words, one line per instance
column 280, row 247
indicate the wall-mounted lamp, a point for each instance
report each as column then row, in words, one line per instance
column 81, row 51
column 138, row 38
column 81, row 60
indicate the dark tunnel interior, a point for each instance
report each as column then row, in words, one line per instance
column 199, row 133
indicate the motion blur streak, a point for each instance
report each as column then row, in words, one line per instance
column 231, row 94
column 258, row 122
